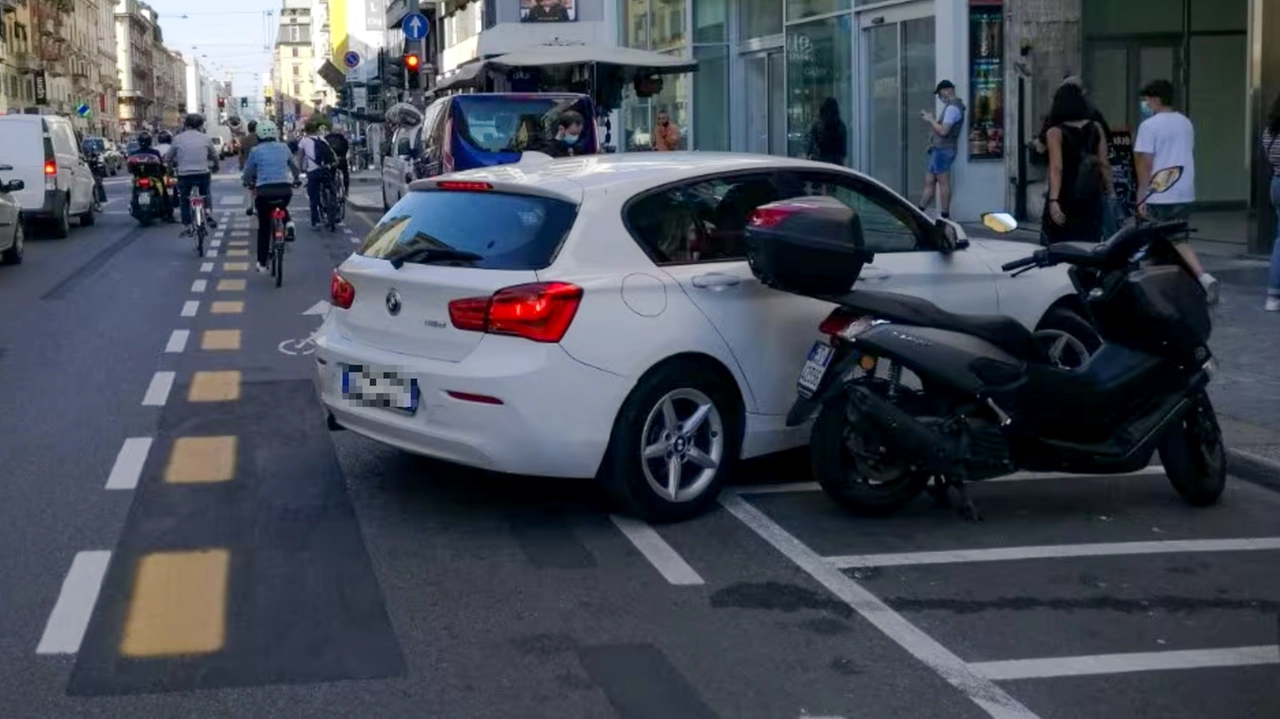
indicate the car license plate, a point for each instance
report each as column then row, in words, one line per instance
column 815, row 367
column 144, row 199
column 376, row 387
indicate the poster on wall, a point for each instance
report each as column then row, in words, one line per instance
column 548, row 11
column 986, row 79
column 1122, row 174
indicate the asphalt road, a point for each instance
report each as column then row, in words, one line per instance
column 183, row 537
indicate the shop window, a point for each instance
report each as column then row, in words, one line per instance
column 801, row 9
column 711, row 98
column 635, row 24
column 759, row 18
column 819, row 66
column 666, row 17
column 710, row 21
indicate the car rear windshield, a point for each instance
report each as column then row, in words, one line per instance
column 495, row 123
column 510, row 232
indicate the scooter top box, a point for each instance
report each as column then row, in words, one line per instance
column 809, row 246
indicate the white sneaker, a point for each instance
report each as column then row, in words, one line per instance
column 262, row 269
column 1273, row 304
column 1210, row 286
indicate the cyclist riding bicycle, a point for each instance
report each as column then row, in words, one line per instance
column 318, row 160
column 270, row 173
column 192, row 155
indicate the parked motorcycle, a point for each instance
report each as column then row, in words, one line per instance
column 906, row 392
column 149, row 200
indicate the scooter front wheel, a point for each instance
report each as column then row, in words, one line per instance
column 846, row 461
column 1194, row 456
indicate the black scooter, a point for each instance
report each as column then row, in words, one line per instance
column 907, row 393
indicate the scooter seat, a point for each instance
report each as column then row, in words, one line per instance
column 1003, row 332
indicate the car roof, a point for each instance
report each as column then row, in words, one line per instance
column 627, row 171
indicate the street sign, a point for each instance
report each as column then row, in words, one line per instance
column 83, row 109
column 416, row 26
column 351, row 59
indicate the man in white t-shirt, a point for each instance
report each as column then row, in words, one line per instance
column 1166, row 138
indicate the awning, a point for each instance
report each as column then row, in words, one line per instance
column 546, row 55
column 469, row 75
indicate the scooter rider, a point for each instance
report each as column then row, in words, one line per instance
column 192, row 154
column 164, row 141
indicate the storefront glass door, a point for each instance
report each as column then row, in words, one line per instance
column 899, row 68
column 766, row 119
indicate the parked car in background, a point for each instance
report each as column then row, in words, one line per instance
column 476, row 130
column 112, row 162
column 11, row 230
column 58, row 182
column 596, row 316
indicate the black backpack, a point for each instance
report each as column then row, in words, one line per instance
column 1088, row 184
column 324, row 153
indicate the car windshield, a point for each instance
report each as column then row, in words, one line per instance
column 498, row 123
column 94, row 145
column 509, row 232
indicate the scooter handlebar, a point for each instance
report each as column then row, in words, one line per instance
column 1037, row 258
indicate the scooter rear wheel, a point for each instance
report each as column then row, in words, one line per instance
column 1194, row 456
column 839, row 449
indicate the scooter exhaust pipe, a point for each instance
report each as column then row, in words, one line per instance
column 906, row 436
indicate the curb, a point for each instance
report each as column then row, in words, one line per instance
column 1254, row 468
column 363, row 207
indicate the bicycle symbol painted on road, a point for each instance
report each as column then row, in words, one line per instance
column 304, row 346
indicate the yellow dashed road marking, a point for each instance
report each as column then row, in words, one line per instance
column 238, row 253
column 235, row 266
column 215, row 387
column 230, row 285
column 227, row 308
column 179, row 604
column 238, row 243
column 197, row 460
column 220, row 339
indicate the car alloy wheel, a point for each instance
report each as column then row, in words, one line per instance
column 683, row 445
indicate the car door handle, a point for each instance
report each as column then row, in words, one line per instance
column 715, row 281
column 872, row 274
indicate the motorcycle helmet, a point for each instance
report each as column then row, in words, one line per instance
column 164, row 138
column 267, row 131
column 144, row 141
column 194, row 121
column 252, row 127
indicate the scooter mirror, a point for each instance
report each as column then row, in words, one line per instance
column 1165, row 179
column 1001, row 222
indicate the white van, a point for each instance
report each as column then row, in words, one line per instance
column 45, row 155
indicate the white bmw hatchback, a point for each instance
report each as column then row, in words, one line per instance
column 596, row 317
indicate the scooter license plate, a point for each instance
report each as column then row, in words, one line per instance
column 815, row 368
column 144, row 200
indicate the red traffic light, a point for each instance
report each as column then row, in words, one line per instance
column 412, row 62
column 222, row 102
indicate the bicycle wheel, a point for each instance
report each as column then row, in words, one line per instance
column 279, row 263
column 200, row 240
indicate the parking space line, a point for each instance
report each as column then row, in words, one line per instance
column 1053, row 551
column 128, row 467
column 666, row 560
column 786, row 487
column 70, row 616
column 973, row 684
column 190, row 308
column 1132, row 662
column 178, row 605
column 177, row 341
column 199, row 285
column 158, row 391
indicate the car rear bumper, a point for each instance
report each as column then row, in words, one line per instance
column 51, row 204
column 555, row 418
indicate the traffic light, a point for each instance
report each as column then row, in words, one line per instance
column 413, row 71
column 244, row 102
column 222, row 103
column 395, row 72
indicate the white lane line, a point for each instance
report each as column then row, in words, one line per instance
column 1054, row 551
column 70, row 616
column 200, row 285
column 973, row 684
column 177, row 341
column 158, row 391
column 786, row 487
column 669, row 564
column 210, row 254
column 1132, row 662
column 215, row 244
column 355, row 240
column 128, row 467
column 206, row 267
column 190, row 308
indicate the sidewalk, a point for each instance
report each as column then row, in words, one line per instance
column 366, row 190
column 1246, row 345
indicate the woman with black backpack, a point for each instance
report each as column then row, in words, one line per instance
column 1079, row 170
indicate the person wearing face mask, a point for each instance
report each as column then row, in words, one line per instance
column 1166, row 138
column 944, row 143
column 666, row 137
column 567, row 142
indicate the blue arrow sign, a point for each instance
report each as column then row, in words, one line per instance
column 351, row 59
column 83, row 109
column 416, row 26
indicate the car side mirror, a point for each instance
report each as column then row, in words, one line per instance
column 951, row 237
column 6, row 168
column 15, row 186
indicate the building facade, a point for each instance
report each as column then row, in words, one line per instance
column 292, row 69
column 18, row 62
column 135, row 63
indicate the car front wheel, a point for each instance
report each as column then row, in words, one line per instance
column 677, row 436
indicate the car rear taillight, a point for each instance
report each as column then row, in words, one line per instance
column 144, row 182
column 464, row 186
column 541, row 311
column 770, row 216
column 341, row 292
column 50, row 168
column 446, row 151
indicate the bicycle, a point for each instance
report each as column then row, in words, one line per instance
column 277, row 244
column 330, row 207
column 198, row 227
